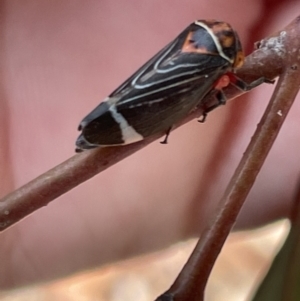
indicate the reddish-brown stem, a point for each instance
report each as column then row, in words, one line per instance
column 192, row 280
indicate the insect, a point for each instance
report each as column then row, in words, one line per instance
column 201, row 59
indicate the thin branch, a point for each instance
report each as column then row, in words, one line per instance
column 81, row 167
column 192, row 280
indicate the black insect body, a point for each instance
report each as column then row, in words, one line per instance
column 170, row 85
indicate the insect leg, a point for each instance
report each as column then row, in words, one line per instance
column 239, row 84
column 221, row 100
column 243, row 86
column 203, row 117
column 165, row 141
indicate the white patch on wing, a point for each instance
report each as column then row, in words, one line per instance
column 129, row 134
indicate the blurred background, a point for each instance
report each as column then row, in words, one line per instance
column 241, row 266
column 58, row 60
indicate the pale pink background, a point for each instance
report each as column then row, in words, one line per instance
column 58, row 60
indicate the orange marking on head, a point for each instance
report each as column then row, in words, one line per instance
column 239, row 60
column 189, row 46
column 226, row 41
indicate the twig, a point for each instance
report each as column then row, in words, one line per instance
column 192, row 280
column 81, row 167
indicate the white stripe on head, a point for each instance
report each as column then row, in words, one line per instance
column 129, row 134
column 215, row 39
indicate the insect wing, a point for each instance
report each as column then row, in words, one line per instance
column 159, row 94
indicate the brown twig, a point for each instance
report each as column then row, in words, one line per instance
column 81, row 167
column 192, row 280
